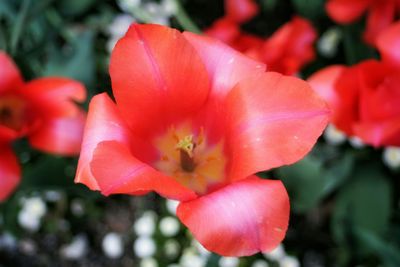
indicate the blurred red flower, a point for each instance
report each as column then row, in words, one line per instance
column 43, row 111
column 381, row 13
column 241, row 10
column 290, row 47
column 194, row 120
column 365, row 97
column 286, row 51
column 229, row 32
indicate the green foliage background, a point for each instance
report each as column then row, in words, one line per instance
column 344, row 200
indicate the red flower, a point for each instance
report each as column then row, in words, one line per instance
column 43, row 110
column 381, row 13
column 365, row 98
column 286, row 51
column 230, row 33
column 241, row 10
column 290, row 47
column 194, row 120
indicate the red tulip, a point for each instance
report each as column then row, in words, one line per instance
column 229, row 32
column 241, row 10
column 286, row 51
column 388, row 44
column 381, row 13
column 365, row 98
column 43, row 111
column 194, row 120
column 290, row 47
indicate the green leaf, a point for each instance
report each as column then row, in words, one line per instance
column 354, row 47
column 363, row 204
column 309, row 8
column 78, row 64
column 304, row 183
column 47, row 172
column 6, row 10
column 389, row 254
column 75, row 7
column 309, row 180
column 213, row 260
column 19, row 25
column 269, row 4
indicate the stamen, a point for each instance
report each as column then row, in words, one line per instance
column 186, row 144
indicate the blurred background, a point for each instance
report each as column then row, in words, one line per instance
column 345, row 208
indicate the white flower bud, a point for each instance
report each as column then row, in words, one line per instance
column 27, row 221
column 228, row 262
column 289, row 261
column 191, row 259
column 334, row 136
column 171, row 248
column 356, row 142
column 120, row 25
column 145, row 225
column 276, row 254
column 329, row 41
column 169, row 226
column 199, row 248
column 76, row 249
column 172, row 205
column 113, row 245
column 391, row 157
column 260, row 263
column 128, row 5
column 148, row 262
column 35, row 206
column 144, row 247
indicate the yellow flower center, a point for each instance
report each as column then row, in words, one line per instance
column 186, row 156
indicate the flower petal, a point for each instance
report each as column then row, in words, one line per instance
column 345, row 11
column 10, row 77
column 378, row 134
column 10, row 172
column 379, row 91
column 240, row 219
column 55, row 96
column 323, row 82
column 117, row 171
column 269, row 118
column 381, row 15
column 156, row 77
column 388, row 43
column 60, row 135
column 240, row 10
column 103, row 123
column 225, row 66
column 290, row 47
column 337, row 85
column 224, row 29
column 7, row 134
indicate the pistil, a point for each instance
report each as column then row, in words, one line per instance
column 12, row 112
column 186, row 148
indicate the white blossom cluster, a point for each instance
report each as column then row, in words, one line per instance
column 137, row 10
column 31, row 213
column 279, row 255
column 144, row 246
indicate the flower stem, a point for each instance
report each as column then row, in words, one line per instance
column 19, row 25
column 184, row 20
